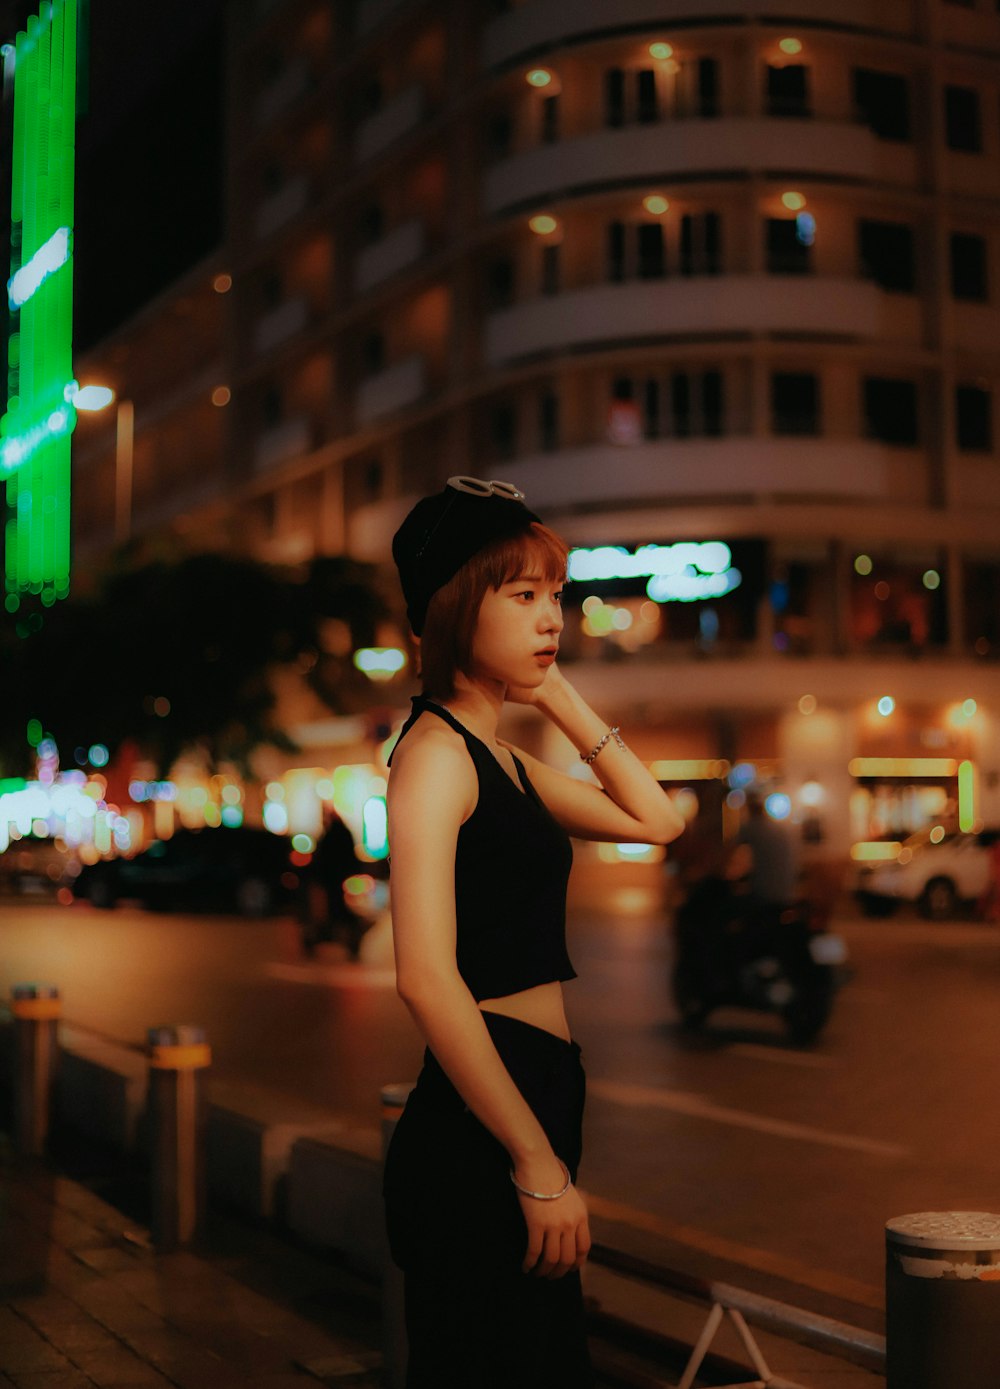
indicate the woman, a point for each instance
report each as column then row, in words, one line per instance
column 482, row 1213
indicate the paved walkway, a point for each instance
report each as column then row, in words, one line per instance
column 84, row 1301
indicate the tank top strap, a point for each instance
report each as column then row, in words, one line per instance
column 420, row 703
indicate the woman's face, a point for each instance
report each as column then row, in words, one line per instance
column 517, row 632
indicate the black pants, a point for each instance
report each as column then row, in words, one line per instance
column 474, row 1319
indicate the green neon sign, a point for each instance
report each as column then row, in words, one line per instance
column 36, row 429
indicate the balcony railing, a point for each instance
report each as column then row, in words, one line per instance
column 281, row 207
column 281, row 323
column 401, row 384
column 401, row 114
column 673, row 148
column 727, row 304
column 394, row 252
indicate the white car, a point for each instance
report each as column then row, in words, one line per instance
column 939, row 871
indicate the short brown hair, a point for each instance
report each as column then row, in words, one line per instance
column 446, row 644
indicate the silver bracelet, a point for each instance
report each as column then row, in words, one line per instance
column 544, row 1195
column 615, row 733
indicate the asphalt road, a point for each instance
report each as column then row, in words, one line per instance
column 734, row 1144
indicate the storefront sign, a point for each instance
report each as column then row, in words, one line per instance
column 686, row 572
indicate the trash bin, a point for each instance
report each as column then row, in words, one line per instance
column 943, row 1300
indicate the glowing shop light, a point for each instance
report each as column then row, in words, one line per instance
column 89, row 398
column 805, row 228
column 690, row 769
column 778, row 806
column 886, row 705
column 380, row 662
column 661, row 51
column 656, row 204
column 863, row 564
column 539, row 77
column 793, row 201
column 375, row 827
column 49, row 258
column 875, row 851
column 811, row 794
column 680, row 573
column 35, row 428
column 275, row 817
column 966, row 796
column 932, row 579
column 232, row 816
column 790, row 46
column 543, row 224
column 902, row 766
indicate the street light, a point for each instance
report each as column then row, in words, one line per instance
column 92, row 399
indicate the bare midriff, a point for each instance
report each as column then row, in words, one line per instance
column 541, row 1006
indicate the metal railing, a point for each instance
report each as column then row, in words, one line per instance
column 743, row 1309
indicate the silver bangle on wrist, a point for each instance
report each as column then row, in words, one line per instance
column 544, row 1195
column 615, row 733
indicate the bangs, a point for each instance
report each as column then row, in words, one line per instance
column 535, row 551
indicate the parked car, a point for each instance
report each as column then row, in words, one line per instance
column 246, row 870
column 37, row 866
column 940, row 872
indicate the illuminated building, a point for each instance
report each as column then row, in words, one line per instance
column 690, row 276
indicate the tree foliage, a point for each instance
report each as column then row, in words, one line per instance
column 173, row 655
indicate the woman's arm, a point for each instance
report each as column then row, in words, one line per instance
column 432, row 789
column 631, row 808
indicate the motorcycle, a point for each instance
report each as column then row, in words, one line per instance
column 730, row 951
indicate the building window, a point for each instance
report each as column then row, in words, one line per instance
column 788, row 90
column 962, row 121
column 372, row 353
column 974, row 419
column 712, row 409
column 372, row 223
column 885, row 251
column 651, row 408
column 616, row 251
column 647, row 106
column 372, row 479
column 499, row 135
column 500, row 283
column 708, row 87
column 794, row 402
column 787, row 253
column 272, row 407
column 700, row 243
column 548, row 422
column 503, row 430
column 890, row 410
column 649, row 237
column 614, row 97
column 550, row 269
column 882, row 102
column 968, row 267
column 696, row 403
column 550, row 120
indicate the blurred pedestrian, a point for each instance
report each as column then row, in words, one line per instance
column 482, row 1211
column 334, row 860
column 766, row 857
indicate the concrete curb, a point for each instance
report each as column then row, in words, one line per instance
column 311, row 1171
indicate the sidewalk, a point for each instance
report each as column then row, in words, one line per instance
column 85, row 1302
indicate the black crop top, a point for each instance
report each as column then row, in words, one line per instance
column 512, row 864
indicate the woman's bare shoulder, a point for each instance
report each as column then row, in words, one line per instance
column 431, row 750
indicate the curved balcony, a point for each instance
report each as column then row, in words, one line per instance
column 794, row 304
column 542, row 23
column 616, row 475
column 837, row 149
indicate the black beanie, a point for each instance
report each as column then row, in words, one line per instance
column 445, row 530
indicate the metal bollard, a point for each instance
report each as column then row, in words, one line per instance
column 393, row 1315
column 36, row 1009
column 178, row 1059
column 943, row 1300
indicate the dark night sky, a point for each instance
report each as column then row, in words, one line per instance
column 149, row 152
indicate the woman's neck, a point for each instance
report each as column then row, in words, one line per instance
column 478, row 706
